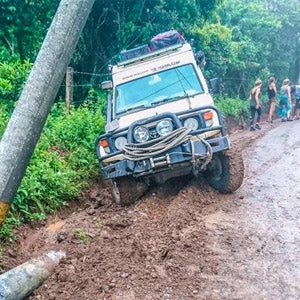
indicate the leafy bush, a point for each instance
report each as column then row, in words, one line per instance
column 234, row 107
column 12, row 77
column 3, row 118
column 63, row 162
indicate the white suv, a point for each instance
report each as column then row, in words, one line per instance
column 162, row 123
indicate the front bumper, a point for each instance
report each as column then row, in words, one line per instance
column 175, row 157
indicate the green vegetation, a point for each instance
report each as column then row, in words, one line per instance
column 240, row 37
column 235, row 108
column 81, row 235
column 242, row 40
column 61, row 166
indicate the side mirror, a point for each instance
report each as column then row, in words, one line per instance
column 106, row 85
column 214, row 85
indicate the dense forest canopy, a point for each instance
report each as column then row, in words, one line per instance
column 242, row 39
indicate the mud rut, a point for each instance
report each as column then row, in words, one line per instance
column 197, row 244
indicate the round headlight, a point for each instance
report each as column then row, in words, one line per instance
column 191, row 123
column 141, row 134
column 120, row 142
column 164, row 127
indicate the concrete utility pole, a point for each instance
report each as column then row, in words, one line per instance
column 69, row 89
column 25, row 126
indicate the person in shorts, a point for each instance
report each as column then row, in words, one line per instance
column 255, row 105
column 272, row 91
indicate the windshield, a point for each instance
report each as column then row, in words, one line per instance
column 169, row 85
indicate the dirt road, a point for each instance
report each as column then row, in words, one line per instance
column 196, row 244
column 255, row 236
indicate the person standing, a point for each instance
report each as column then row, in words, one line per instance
column 255, row 106
column 272, row 97
column 297, row 98
column 284, row 110
column 293, row 101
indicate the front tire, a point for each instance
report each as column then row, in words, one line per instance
column 126, row 190
column 225, row 173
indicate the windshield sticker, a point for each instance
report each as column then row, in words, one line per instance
column 152, row 70
column 165, row 66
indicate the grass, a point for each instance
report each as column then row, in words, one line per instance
column 236, row 108
column 62, row 165
column 81, row 235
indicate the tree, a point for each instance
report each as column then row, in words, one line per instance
column 23, row 27
column 117, row 25
column 268, row 34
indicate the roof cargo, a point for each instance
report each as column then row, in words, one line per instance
column 166, row 39
column 135, row 52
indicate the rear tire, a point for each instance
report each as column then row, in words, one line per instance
column 126, row 190
column 225, row 173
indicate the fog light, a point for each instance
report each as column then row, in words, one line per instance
column 120, row 142
column 191, row 123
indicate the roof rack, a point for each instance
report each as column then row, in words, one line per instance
column 150, row 55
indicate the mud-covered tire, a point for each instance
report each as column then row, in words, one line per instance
column 126, row 190
column 225, row 173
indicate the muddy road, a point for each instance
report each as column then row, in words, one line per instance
column 255, row 236
column 188, row 244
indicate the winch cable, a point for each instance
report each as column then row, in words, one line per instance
column 210, row 153
column 157, row 146
column 142, row 151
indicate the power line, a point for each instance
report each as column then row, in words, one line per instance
column 93, row 74
column 80, row 85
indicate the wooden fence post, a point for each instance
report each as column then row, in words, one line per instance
column 69, row 89
column 27, row 121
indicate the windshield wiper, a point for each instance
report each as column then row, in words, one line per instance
column 135, row 108
column 174, row 98
column 167, row 100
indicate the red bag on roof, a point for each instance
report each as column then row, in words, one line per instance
column 166, row 39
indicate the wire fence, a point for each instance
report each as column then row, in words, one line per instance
column 83, row 82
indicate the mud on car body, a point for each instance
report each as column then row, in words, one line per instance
column 161, row 123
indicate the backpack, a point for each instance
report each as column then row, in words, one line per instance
column 297, row 92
